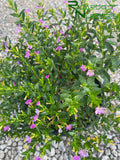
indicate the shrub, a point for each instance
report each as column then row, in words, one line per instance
column 56, row 81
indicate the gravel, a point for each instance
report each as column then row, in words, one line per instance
column 12, row 149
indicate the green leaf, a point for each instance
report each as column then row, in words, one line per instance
column 109, row 47
column 14, row 14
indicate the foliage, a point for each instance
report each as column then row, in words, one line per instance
column 51, row 79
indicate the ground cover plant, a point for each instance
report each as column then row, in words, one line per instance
column 55, row 82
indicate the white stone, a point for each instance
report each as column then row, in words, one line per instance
column 113, row 147
column 3, row 146
column 118, row 146
column 117, row 113
column 18, row 158
column 114, row 153
column 37, row 154
column 20, row 143
column 14, row 144
column 65, row 156
column 55, row 144
column 109, row 136
column 52, row 153
column 1, row 154
column 61, row 146
column 107, row 152
column 105, row 158
column 54, row 158
column 9, row 142
column 61, row 157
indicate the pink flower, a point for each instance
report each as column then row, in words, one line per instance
column 35, row 118
column 27, row 54
column 13, row 83
column 18, row 29
column 113, row 10
column 36, row 52
column 81, row 49
column 69, row 27
column 65, row 1
column 38, row 103
column 66, row 35
column 26, row 10
column 30, row 47
column 83, row 67
column 99, row 110
column 37, row 111
column 69, row 127
column 38, row 7
column 83, row 153
column 6, row 128
column 18, row 62
column 106, row 40
column 41, row 21
column 32, row 126
column 90, row 73
column 58, row 39
column 60, row 130
column 47, row 76
column 46, row 26
column 61, row 31
column 37, row 158
column 28, row 102
column 6, row 50
column 54, row 25
column 59, row 48
column 76, row 158
column 5, row 44
column 27, row 139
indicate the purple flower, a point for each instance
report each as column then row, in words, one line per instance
column 32, row 126
column 69, row 127
column 58, row 39
column 5, row 44
column 113, row 10
column 61, row 31
column 38, row 103
column 65, row 1
column 6, row 128
column 106, row 40
column 26, row 10
column 83, row 153
column 90, row 73
column 54, row 25
column 6, row 50
column 59, row 48
column 28, row 102
column 27, row 139
column 36, row 52
column 81, row 49
column 41, row 21
column 69, row 27
column 46, row 26
column 37, row 158
column 47, row 76
column 76, row 158
column 38, row 7
column 13, row 83
column 29, row 47
column 35, row 118
column 112, row 92
column 83, row 67
column 66, row 35
column 37, row 111
column 18, row 62
column 99, row 110
column 27, row 54
column 60, row 130
column 18, row 29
